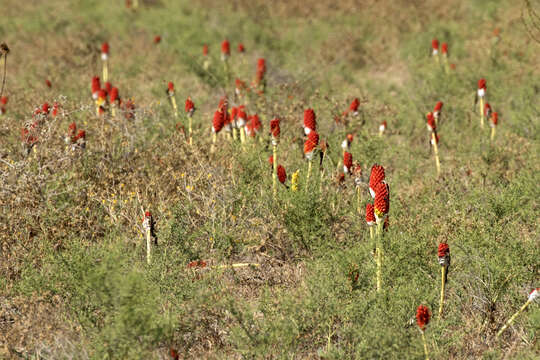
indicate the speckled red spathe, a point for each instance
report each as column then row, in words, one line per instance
column 241, row 48
column 438, row 106
column 310, row 119
column 435, row 44
column 205, row 50
column 443, row 250
column 274, row 128
column 347, row 161
column 157, row 39
column 48, row 83
column 377, row 175
column 370, row 214
column 4, row 100
column 105, row 48
column 281, row 174
column 311, row 142
column 170, row 87
column 422, row 317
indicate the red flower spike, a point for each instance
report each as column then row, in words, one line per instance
column 347, row 162
column 435, row 45
column 271, row 160
column 487, row 110
column 241, row 116
column 170, row 88
column 102, row 95
column 217, row 123
column 197, row 264
column 113, row 95
column 257, row 125
column 377, row 175
column 190, row 106
column 438, row 106
column 310, row 121
column 354, row 106
column 129, row 109
column 494, row 119
column 311, row 143
column 281, row 174
column 157, row 39
column 105, row 48
column 444, row 48
column 340, row 178
column 174, row 354
column 274, row 128
column 96, row 86
column 80, row 135
column 4, row 100
column 382, row 200
column 72, row 129
column 226, row 48
column 45, row 108
column 55, row 108
column 443, row 250
column 234, row 113
column 370, row 214
column 422, row 316
column 241, row 48
column 147, row 214
column 205, row 50
column 48, row 83
column 482, row 84
column 431, row 122
column 261, row 65
column 108, row 86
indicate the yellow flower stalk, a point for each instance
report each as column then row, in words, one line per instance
column 294, row 180
column 443, row 253
column 535, row 294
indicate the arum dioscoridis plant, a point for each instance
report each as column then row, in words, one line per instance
column 274, row 132
column 423, row 316
column 105, row 60
column 114, row 99
column 533, row 295
column 437, row 112
column 370, row 218
column 206, row 61
column 434, row 139
column 217, row 125
column 190, row 110
column 494, row 121
column 172, row 99
column 443, row 253
column 480, row 95
column 380, row 191
column 310, row 146
column 435, row 50
column 225, row 54
column 444, row 51
column 382, row 127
